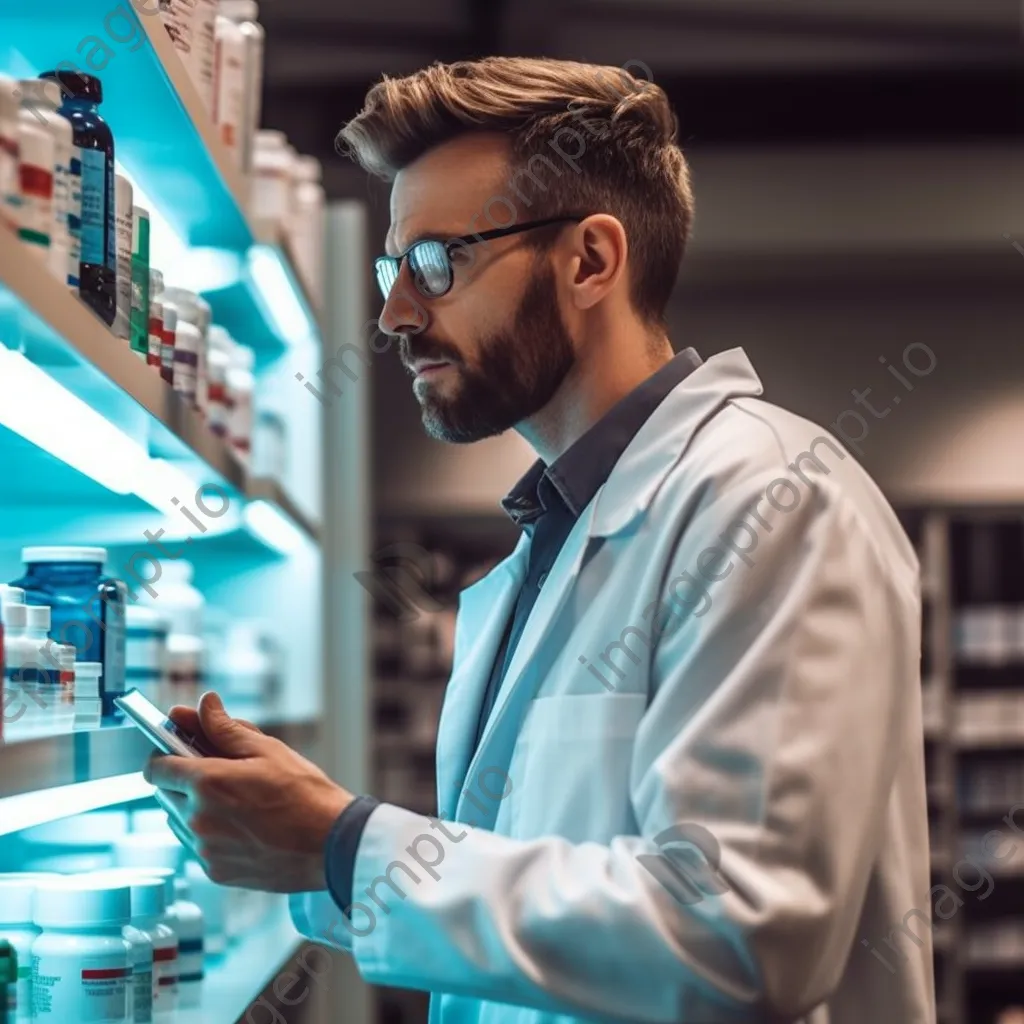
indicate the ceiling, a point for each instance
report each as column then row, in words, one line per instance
column 738, row 71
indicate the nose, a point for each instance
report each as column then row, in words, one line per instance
column 404, row 312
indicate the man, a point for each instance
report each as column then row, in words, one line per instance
column 680, row 769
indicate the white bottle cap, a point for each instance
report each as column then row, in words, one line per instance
column 38, row 616
column 15, row 616
column 11, row 595
column 141, row 617
column 16, row 893
column 149, row 850
column 82, row 902
column 163, row 875
column 149, row 893
column 57, row 554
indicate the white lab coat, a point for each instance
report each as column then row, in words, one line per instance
column 780, row 710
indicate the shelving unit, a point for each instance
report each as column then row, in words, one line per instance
column 979, row 951
column 96, row 449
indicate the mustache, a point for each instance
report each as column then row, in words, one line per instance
column 419, row 346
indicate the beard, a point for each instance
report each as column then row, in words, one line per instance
column 518, row 370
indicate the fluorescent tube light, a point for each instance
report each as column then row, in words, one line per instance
column 273, row 528
column 277, row 293
column 40, row 806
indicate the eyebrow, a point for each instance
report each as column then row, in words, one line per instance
column 428, row 236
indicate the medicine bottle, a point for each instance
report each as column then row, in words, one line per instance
column 165, row 940
column 98, row 277
column 124, row 196
column 218, row 362
column 195, row 310
column 190, row 924
column 245, row 14
column 140, row 283
column 241, row 387
column 42, row 99
column 229, row 92
column 88, row 701
column 87, row 608
column 20, row 655
column 187, row 341
column 80, row 962
column 154, row 355
column 204, row 14
column 146, row 658
column 10, row 189
column 18, row 928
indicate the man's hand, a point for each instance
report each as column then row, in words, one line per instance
column 259, row 816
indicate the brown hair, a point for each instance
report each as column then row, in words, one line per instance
column 616, row 131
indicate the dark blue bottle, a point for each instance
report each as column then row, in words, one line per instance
column 98, row 278
column 87, row 609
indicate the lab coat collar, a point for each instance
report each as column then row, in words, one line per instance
column 662, row 440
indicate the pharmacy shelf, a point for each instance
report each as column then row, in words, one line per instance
column 59, row 333
column 234, row 982
column 164, row 137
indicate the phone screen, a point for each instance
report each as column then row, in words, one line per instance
column 159, row 729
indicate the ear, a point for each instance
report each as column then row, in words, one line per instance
column 600, row 257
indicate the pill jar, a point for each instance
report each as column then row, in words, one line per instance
column 43, row 100
column 146, row 651
column 164, row 935
column 186, row 359
column 241, row 387
column 80, row 962
column 98, row 276
column 18, row 928
column 245, row 14
column 88, row 689
column 10, row 189
column 154, row 355
column 218, row 361
column 190, row 924
column 195, row 310
column 35, row 175
column 211, row 898
column 87, row 608
column 124, row 196
column 229, row 94
column 140, row 283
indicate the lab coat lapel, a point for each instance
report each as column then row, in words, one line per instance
column 484, row 610
column 525, row 671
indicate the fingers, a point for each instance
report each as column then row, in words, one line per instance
column 177, row 774
column 175, row 805
column 185, row 718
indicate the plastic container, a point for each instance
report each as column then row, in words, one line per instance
column 140, row 283
column 166, row 964
column 271, row 182
column 125, row 200
column 10, row 188
column 202, row 67
column 35, row 176
column 196, row 311
column 229, row 93
column 179, row 602
column 88, row 695
column 43, row 100
column 241, row 389
column 187, row 343
column 190, row 924
column 154, row 354
column 18, row 928
column 218, row 362
column 252, row 678
column 270, row 446
column 146, row 651
column 245, row 14
column 170, row 338
column 81, row 961
column 24, row 663
column 211, row 898
column 98, row 275
column 87, row 608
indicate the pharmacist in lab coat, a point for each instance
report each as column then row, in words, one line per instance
column 679, row 762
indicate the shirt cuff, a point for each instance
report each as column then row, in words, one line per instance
column 343, row 845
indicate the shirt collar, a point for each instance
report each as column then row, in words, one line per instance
column 577, row 475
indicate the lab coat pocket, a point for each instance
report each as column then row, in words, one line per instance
column 571, row 765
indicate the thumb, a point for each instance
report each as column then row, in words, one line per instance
column 230, row 736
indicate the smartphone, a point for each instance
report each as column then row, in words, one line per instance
column 159, row 729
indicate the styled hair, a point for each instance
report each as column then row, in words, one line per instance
column 584, row 139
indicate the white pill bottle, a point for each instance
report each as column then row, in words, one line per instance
column 81, row 965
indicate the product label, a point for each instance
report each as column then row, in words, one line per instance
column 87, row 990
column 165, row 979
column 122, row 325
column 142, row 994
column 74, row 216
column 10, row 192
column 36, row 212
column 94, row 207
column 241, row 421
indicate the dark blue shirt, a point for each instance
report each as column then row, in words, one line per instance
column 546, row 503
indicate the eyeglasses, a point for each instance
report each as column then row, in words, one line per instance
column 431, row 261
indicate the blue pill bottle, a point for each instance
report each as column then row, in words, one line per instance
column 98, row 268
column 87, row 609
